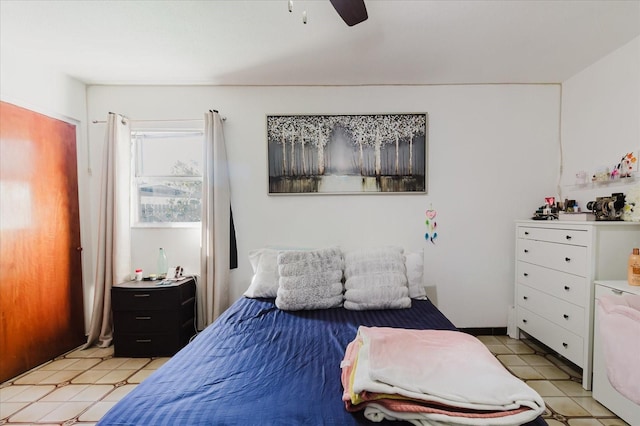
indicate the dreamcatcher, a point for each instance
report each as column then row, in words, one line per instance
column 431, row 234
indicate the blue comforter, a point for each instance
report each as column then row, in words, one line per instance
column 258, row 365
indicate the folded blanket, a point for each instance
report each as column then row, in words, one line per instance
column 310, row 280
column 380, row 279
column 296, row 303
column 379, row 294
column 402, row 303
column 438, row 376
column 619, row 325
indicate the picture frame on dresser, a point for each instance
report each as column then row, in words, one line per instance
column 557, row 263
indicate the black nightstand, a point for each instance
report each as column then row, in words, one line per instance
column 152, row 319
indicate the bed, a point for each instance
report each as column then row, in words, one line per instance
column 258, row 364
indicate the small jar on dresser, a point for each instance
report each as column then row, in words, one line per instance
column 556, row 265
column 152, row 318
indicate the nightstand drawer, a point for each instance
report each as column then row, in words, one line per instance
column 562, row 257
column 145, row 299
column 145, row 321
column 146, row 345
column 562, row 236
column 569, row 287
column 563, row 314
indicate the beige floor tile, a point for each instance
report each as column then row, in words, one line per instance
column 545, row 388
column 140, row 376
column 96, row 411
column 66, row 411
column 592, row 406
column 584, row 422
column 518, row 347
column 565, row 406
column 551, row 372
column 571, row 388
column 34, row 377
column 118, row 393
column 9, row 408
column 90, row 376
column 499, row 349
column 115, row 376
column 111, row 364
column 134, row 364
column 504, row 339
column 535, row 360
column 613, row 422
column 489, row 340
column 59, row 364
column 82, row 364
column 28, row 393
column 59, row 377
column 78, row 393
column 525, row 372
column 34, row 412
column 511, row 360
column 553, row 422
column 156, row 363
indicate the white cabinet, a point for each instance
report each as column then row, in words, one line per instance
column 556, row 265
column 603, row 392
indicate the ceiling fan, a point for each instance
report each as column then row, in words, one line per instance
column 352, row 12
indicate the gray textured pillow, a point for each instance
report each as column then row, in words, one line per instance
column 310, row 279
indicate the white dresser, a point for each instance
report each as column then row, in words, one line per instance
column 603, row 392
column 556, row 265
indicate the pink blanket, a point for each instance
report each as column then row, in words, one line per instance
column 432, row 375
column 619, row 323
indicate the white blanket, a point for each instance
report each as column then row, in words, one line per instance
column 446, row 367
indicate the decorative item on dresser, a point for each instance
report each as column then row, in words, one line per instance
column 153, row 318
column 603, row 391
column 556, row 265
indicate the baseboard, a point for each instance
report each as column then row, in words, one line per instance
column 485, row 331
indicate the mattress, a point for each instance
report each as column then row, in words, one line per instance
column 258, row 365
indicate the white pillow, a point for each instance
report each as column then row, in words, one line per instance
column 264, row 282
column 414, row 261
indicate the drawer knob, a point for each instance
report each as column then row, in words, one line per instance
column 616, row 291
column 525, row 297
column 567, row 288
column 526, row 251
column 566, row 345
column 525, row 274
column 143, row 340
column 141, row 295
column 524, row 321
column 526, row 232
column 143, row 318
column 568, row 237
column 567, row 259
column 565, row 316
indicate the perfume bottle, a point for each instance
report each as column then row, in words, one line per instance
column 163, row 266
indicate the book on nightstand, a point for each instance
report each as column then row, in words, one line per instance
column 578, row 216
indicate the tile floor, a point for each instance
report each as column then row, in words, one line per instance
column 79, row 387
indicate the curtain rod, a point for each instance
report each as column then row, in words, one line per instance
column 160, row 121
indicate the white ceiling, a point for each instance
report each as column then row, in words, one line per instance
column 260, row 43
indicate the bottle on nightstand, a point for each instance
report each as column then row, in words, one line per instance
column 163, row 266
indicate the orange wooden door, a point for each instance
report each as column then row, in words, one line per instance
column 41, row 311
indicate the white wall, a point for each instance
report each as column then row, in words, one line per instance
column 601, row 120
column 31, row 85
column 493, row 157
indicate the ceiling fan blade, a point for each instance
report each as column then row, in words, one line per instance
column 351, row 11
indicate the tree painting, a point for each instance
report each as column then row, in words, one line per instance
column 372, row 153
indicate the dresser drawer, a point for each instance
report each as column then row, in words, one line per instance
column 569, row 287
column 557, row 338
column 562, row 257
column 558, row 311
column 145, row 299
column 562, row 236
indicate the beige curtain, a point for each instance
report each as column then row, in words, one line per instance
column 213, row 285
column 113, row 263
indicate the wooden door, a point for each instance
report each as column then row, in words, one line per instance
column 41, row 308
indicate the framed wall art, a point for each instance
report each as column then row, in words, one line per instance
column 347, row 154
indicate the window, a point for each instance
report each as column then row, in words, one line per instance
column 167, row 187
